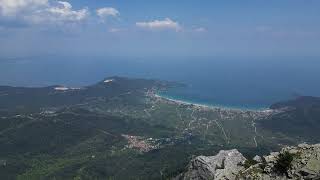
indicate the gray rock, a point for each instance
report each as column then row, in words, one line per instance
column 258, row 159
column 230, row 165
column 305, row 164
column 225, row 165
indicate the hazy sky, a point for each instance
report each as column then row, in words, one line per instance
column 160, row 27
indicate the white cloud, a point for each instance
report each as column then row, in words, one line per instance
column 160, row 25
column 41, row 11
column 14, row 7
column 61, row 12
column 107, row 11
column 200, row 29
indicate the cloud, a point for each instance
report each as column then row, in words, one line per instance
column 160, row 25
column 200, row 29
column 61, row 12
column 40, row 12
column 11, row 8
column 107, row 11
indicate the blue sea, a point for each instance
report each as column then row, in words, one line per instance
column 252, row 82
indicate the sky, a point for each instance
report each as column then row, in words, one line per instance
column 143, row 28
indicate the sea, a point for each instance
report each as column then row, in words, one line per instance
column 234, row 82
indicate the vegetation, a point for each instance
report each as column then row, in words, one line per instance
column 249, row 162
column 299, row 118
column 283, row 163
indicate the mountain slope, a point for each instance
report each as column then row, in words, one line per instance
column 298, row 117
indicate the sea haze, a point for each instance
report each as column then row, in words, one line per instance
column 228, row 82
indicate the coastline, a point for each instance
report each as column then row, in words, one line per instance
column 214, row 107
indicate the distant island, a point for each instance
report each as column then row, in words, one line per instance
column 119, row 128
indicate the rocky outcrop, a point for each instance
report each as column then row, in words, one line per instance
column 301, row 162
column 224, row 165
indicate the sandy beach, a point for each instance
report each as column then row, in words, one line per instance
column 204, row 106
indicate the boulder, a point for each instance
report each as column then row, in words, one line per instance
column 224, row 165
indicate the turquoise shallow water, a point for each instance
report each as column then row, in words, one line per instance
column 238, row 82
